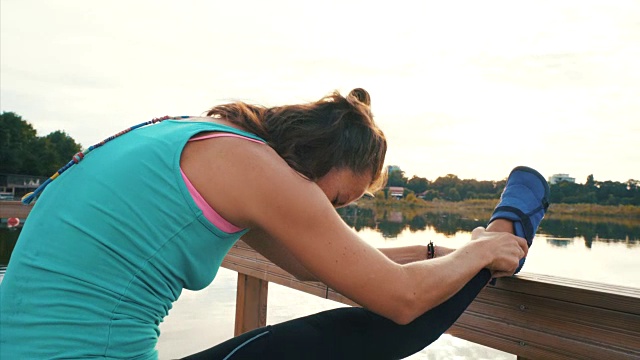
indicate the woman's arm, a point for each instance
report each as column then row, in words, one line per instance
column 251, row 186
column 279, row 255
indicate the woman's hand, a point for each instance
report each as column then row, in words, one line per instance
column 505, row 250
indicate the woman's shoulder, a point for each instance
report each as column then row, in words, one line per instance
column 229, row 170
column 211, row 150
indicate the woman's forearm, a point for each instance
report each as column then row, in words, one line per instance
column 405, row 254
column 408, row 254
column 441, row 251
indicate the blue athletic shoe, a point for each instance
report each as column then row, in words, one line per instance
column 524, row 201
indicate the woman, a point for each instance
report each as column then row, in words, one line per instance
column 110, row 245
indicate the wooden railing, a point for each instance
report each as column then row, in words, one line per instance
column 531, row 316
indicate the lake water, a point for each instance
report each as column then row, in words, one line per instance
column 607, row 252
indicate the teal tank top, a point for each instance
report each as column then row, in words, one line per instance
column 107, row 249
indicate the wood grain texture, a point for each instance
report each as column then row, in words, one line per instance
column 251, row 304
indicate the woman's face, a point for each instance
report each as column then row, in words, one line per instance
column 343, row 186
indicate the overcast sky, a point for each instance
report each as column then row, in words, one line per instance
column 463, row 87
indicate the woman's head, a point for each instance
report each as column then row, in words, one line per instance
column 313, row 138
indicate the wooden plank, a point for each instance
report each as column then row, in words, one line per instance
column 502, row 337
column 534, row 344
column 546, row 306
column 548, row 320
column 606, row 296
column 531, row 316
column 251, row 304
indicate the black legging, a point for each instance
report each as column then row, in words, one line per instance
column 348, row 333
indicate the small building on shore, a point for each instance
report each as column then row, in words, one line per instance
column 396, row 192
column 18, row 185
column 556, row 178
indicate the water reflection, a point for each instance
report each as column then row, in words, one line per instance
column 610, row 232
column 392, row 222
column 595, row 249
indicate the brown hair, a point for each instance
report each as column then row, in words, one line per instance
column 313, row 138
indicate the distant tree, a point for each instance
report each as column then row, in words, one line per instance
column 418, row 184
column 610, row 192
column 430, row 195
column 634, row 189
column 453, row 194
column 397, row 178
column 33, row 159
column 411, row 198
column 22, row 152
column 474, row 189
column 444, row 184
column 15, row 137
column 588, row 191
column 406, row 193
column 58, row 148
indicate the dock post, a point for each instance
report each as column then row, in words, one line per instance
column 251, row 304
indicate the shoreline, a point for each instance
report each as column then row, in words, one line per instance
column 477, row 208
column 484, row 208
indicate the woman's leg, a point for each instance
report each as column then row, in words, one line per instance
column 348, row 333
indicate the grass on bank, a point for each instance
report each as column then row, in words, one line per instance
column 482, row 208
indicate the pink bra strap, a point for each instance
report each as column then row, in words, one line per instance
column 208, row 212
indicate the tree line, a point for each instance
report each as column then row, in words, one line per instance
column 452, row 188
column 23, row 152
